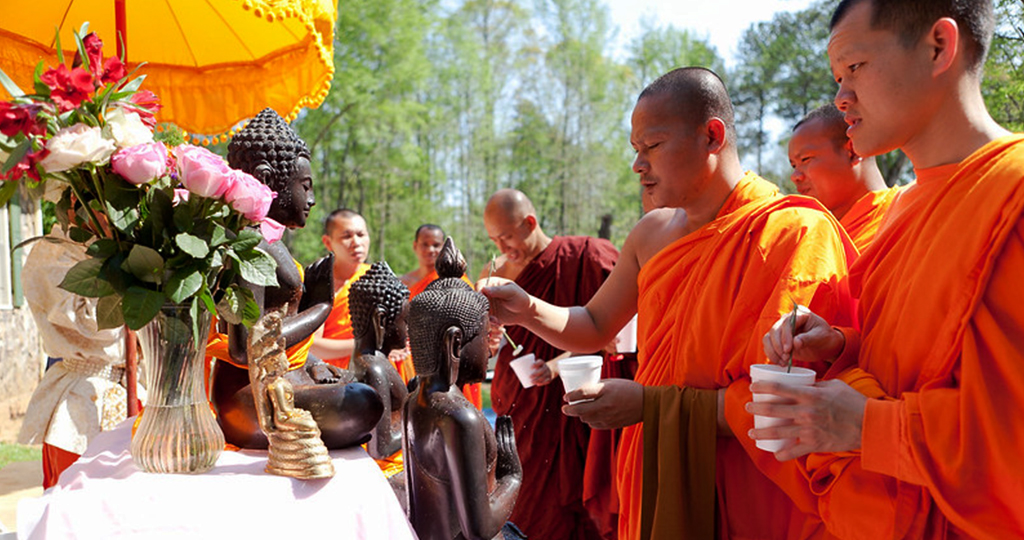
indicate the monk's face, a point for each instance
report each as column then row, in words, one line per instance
column 670, row 158
column 511, row 234
column 291, row 206
column 348, row 240
column 427, row 247
column 822, row 168
column 885, row 89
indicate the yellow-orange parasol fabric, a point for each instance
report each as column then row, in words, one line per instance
column 212, row 63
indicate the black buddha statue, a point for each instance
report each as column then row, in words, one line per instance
column 377, row 303
column 463, row 478
column 345, row 411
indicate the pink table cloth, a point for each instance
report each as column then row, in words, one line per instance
column 104, row 495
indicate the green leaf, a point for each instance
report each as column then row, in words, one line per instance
column 184, row 217
column 219, row 235
column 102, row 248
column 246, row 240
column 140, row 305
column 7, row 190
column 38, row 84
column 183, row 285
column 84, row 279
column 229, row 308
column 79, row 235
column 251, row 310
column 161, row 212
column 133, row 85
column 10, row 86
column 192, row 245
column 258, row 268
column 204, row 295
column 145, row 263
column 122, row 203
column 60, row 50
column 17, row 155
column 108, row 312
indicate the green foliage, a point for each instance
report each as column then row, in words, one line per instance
column 11, row 453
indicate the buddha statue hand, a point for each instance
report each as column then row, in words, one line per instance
column 508, row 457
column 318, row 284
column 323, row 373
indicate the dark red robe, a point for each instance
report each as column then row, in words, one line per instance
column 552, row 446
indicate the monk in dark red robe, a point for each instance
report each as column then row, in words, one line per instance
column 552, row 447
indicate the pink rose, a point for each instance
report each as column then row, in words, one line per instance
column 271, row 230
column 142, row 163
column 180, row 196
column 249, row 197
column 202, row 172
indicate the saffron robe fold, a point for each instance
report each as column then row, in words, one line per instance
column 552, row 446
column 941, row 330
column 705, row 301
column 864, row 218
column 339, row 322
column 679, row 441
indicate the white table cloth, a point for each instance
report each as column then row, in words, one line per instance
column 103, row 495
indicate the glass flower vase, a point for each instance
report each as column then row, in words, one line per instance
column 177, row 432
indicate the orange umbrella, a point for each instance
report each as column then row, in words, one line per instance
column 212, row 63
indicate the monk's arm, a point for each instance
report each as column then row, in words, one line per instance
column 579, row 328
column 329, row 349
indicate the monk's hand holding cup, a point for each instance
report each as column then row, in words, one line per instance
column 609, row 404
column 810, row 339
column 543, row 372
column 825, row 417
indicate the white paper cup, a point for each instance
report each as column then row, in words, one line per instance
column 627, row 337
column 523, row 366
column 797, row 376
column 577, row 371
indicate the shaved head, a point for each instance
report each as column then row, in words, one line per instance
column 510, row 204
column 911, row 19
column 832, row 121
column 429, row 228
column 698, row 95
column 339, row 214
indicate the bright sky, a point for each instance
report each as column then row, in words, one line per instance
column 722, row 21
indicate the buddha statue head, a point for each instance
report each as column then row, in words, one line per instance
column 377, row 303
column 270, row 150
column 448, row 324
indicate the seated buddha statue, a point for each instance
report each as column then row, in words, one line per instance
column 345, row 411
column 377, row 302
column 463, row 478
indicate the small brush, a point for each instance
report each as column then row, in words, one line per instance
column 516, row 349
column 792, row 333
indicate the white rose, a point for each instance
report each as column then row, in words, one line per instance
column 126, row 128
column 75, row 145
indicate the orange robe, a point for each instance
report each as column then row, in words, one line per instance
column 863, row 219
column 941, row 330
column 705, row 301
column 339, row 322
column 471, row 391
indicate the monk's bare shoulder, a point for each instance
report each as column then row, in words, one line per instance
column 657, row 229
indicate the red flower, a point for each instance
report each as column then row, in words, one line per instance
column 15, row 119
column 68, row 88
column 113, row 70
column 94, row 50
column 146, row 105
column 26, row 166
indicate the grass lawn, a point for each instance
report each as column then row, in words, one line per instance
column 485, row 394
column 10, row 453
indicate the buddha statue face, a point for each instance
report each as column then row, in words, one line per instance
column 295, row 197
column 270, row 150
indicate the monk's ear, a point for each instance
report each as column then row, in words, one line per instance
column 943, row 40
column 531, row 222
column 716, row 134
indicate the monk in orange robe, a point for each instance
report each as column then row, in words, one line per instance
column 564, row 270
column 940, row 317
column 716, row 260
column 427, row 246
column 826, row 167
column 346, row 236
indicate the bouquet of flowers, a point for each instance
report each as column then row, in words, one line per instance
column 163, row 223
